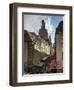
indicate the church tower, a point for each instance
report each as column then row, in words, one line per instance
column 43, row 32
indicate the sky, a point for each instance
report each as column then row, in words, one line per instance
column 32, row 23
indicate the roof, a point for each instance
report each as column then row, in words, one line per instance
column 31, row 36
column 59, row 28
column 27, row 36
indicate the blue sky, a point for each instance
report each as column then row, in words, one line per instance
column 32, row 23
column 54, row 20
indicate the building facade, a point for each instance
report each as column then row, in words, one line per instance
column 59, row 46
column 36, row 49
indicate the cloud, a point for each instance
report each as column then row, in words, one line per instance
column 52, row 30
column 32, row 23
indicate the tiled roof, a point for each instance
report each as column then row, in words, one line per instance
column 31, row 36
column 27, row 36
